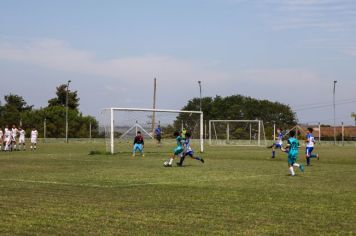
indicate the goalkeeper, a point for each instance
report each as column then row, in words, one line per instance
column 139, row 144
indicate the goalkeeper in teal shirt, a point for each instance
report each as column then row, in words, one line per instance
column 292, row 150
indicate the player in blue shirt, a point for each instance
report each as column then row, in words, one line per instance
column 292, row 150
column 139, row 144
column 158, row 134
column 310, row 142
column 188, row 151
column 278, row 142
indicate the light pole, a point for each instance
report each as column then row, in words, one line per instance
column 199, row 82
column 334, row 111
column 67, row 110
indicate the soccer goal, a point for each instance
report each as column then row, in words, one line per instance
column 122, row 124
column 237, row 132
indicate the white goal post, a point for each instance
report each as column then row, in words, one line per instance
column 237, row 132
column 110, row 114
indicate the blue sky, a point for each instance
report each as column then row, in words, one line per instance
column 282, row 50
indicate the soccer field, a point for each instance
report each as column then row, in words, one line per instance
column 60, row 189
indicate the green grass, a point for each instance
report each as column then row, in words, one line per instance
column 60, row 189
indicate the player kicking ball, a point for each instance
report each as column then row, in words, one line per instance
column 292, row 150
column 177, row 151
column 278, row 143
column 310, row 141
column 188, row 151
column 139, row 144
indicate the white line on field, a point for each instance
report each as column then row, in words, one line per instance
column 82, row 185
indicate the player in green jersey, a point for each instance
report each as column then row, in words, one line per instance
column 292, row 150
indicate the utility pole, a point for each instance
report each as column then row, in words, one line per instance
column 154, row 105
column 354, row 116
column 334, row 106
column 67, row 110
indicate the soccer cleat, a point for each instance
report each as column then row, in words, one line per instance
column 202, row 160
column 301, row 167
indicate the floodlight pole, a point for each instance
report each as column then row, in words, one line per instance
column 334, row 111
column 199, row 82
column 67, row 110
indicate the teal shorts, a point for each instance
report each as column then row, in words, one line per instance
column 292, row 158
column 178, row 150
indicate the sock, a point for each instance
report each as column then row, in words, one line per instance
column 291, row 170
column 273, row 153
column 308, row 161
column 296, row 165
column 171, row 161
column 313, row 156
column 31, row 147
column 197, row 158
column 181, row 160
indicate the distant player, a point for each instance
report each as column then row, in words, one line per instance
column 183, row 132
column 139, row 144
column 310, row 141
column 278, row 142
column 22, row 134
column 34, row 136
column 177, row 150
column 188, row 151
column 7, row 139
column 14, row 132
column 292, row 150
column 1, row 139
column 158, row 134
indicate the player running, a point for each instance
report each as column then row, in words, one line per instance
column 177, row 151
column 22, row 139
column 310, row 141
column 34, row 136
column 139, row 144
column 278, row 143
column 188, row 151
column 292, row 150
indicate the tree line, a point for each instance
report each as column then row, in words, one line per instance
column 15, row 110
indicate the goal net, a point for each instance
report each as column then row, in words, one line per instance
column 122, row 124
column 237, row 132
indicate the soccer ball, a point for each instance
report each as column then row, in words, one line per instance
column 166, row 163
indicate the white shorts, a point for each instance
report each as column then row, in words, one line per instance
column 21, row 140
column 33, row 140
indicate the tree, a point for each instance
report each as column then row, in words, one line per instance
column 60, row 100
column 238, row 107
column 10, row 113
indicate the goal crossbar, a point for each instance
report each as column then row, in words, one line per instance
column 258, row 122
column 112, row 109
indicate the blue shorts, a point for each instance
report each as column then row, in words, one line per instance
column 138, row 146
column 309, row 150
column 277, row 145
column 189, row 153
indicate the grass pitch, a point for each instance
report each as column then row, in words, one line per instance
column 60, row 189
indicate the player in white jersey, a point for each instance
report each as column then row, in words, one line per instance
column 22, row 139
column 7, row 139
column 1, row 139
column 14, row 132
column 310, row 142
column 34, row 135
